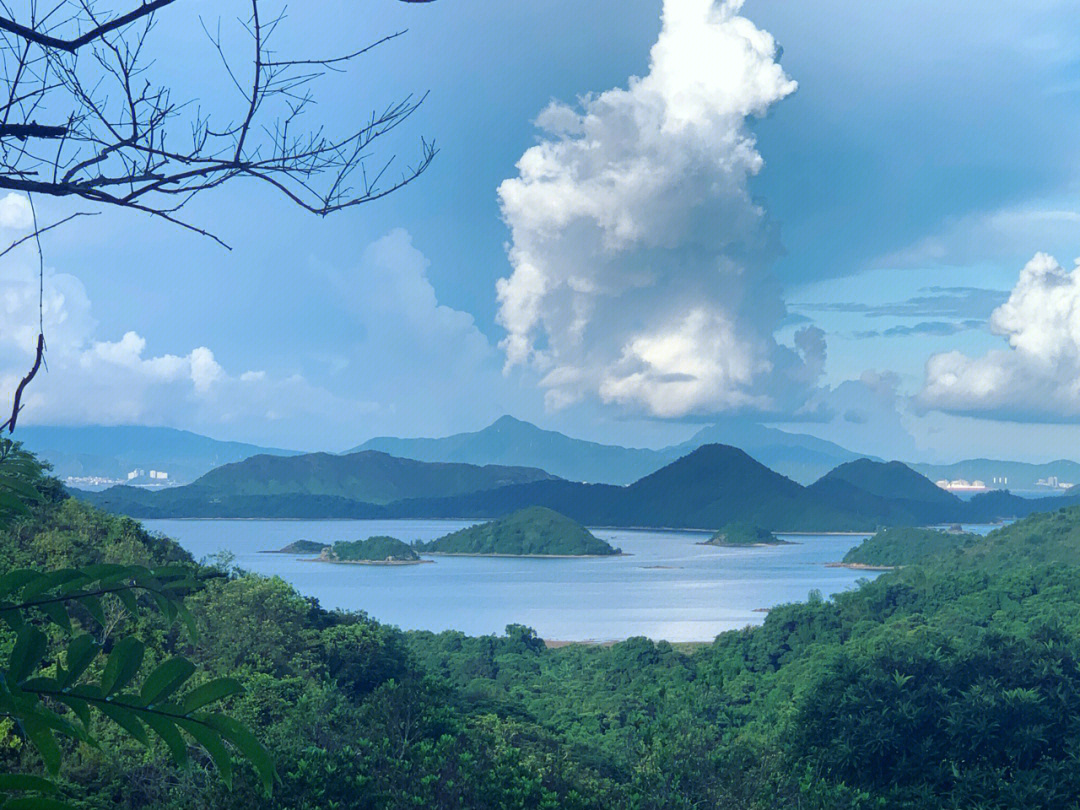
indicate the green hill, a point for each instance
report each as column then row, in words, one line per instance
column 744, row 534
column 798, row 456
column 302, row 547
column 890, row 492
column 368, row 476
column 716, row 485
column 1048, row 538
column 906, row 546
column 532, row 532
column 317, row 485
column 379, row 549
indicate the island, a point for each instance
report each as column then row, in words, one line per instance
column 532, row 532
column 301, row 547
column 741, row 535
column 897, row 547
column 373, row 551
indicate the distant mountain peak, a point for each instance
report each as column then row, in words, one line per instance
column 889, row 479
column 506, row 420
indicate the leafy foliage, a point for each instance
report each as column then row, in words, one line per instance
column 58, row 675
column 953, row 683
column 19, row 473
column 907, row 546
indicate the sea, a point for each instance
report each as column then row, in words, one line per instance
column 666, row 586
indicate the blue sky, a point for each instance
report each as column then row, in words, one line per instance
column 922, row 161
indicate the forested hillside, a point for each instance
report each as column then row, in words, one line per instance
column 950, row 684
column 313, row 484
column 707, row 488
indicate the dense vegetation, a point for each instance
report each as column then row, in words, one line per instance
column 949, row 685
column 744, row 534
column 535, row 531
column 906, row 546
column 373, row 549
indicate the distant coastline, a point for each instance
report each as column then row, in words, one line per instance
column 749, row 545
column 528, row 556
column 366, row 562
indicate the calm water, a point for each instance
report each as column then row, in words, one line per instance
column 670, row 588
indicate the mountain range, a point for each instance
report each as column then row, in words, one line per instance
column 711, row 486
column 112, row 452
column 508, row 440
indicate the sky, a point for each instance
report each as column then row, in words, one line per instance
column 852, row 219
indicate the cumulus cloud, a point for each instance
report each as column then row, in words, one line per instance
column 1038, row 376
column 92, row 380
column 15, row 211
column 640, row 260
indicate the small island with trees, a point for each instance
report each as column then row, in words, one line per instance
column 900, row 546
column 302, row 547
column 742, row 535
column 532, row 532
column 373, row 551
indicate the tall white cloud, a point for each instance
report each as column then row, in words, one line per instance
column 1038, row 375
column 640, row 260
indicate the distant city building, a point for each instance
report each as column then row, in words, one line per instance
column 155, row 475
column 1053, row 483
column 962, row 485
column 91, row 481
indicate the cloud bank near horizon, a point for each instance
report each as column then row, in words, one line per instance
column 641, row 264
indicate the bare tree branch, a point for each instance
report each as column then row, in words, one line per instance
column 117, row 147
column 119, row 137
column 38, row 232
column 32, row 34
column 31, row 130
column 16, row 407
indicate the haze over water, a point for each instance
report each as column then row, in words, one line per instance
column 667, row 587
